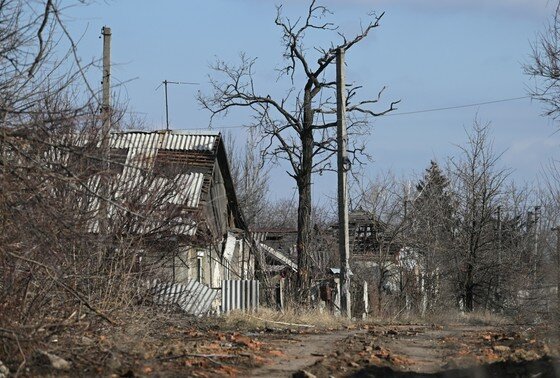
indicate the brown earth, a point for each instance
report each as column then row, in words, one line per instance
column 148, row 343
column 455, row 350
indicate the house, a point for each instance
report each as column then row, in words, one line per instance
column 174, row 188
column 382, row 266
column 278, row 246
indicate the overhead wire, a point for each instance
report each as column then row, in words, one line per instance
column 415, row 111
column 456, row 106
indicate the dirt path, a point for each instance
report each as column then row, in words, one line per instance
column 300, row 351
column 410, row 350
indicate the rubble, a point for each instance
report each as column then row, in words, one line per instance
column 4, row 371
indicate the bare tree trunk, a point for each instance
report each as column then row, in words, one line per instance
column 303, row 240
column 304, row 206
column 469, row 289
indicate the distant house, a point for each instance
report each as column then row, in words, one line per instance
column 175, row 189
column 380, row 262
column 370, row 238
column 278, row 246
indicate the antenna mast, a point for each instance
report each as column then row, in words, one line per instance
column 165, row 83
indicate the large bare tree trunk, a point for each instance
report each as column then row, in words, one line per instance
column 305, row 202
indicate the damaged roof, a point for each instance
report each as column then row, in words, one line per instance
column 183, row 163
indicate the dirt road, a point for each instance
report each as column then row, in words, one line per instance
column 412, row 350
column 171, row 345
column 300, row 352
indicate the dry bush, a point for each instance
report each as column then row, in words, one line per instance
column 55, row 264
column 303, row 319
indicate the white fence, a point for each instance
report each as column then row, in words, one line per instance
column 240, row 295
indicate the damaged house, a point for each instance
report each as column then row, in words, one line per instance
column 383, row 268
column 174, row 190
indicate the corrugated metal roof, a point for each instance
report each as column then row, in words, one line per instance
column 171, row 140
column 184, row 189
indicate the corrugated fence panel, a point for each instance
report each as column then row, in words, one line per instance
column 194, row 298
column 240, row 295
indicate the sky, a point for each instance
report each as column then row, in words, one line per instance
column 430, row 54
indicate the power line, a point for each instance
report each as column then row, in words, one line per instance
column 417, row 111
column 456, row 107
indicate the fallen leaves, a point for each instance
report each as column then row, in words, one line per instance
column 245, row 341
column 276, row 353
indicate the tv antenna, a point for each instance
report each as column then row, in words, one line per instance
column 165, row 83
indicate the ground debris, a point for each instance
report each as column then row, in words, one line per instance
column 49, row 359
column 4, row 371
column 431, row 350
column 303, row 374
column 155, row 344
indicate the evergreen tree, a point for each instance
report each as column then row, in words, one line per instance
column 432, row 233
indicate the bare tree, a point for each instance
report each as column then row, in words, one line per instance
column 479, row 186
column 250, row 176
column 544, row 67
column 298, row 126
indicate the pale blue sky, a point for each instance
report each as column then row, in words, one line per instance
column 429, row 53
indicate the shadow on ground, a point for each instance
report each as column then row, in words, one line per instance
column 544, row 367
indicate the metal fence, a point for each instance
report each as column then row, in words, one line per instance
column 240, row 295
column 194, row 297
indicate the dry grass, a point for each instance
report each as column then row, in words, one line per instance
column 289, row 319
column 477, row 318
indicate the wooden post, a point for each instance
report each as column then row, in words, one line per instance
column 536, row 245
column 500, row 267
column 557, row 229
column 343, row 166
column 366, row 301
column 106, row 100
column 105, row 144
column 280, row 295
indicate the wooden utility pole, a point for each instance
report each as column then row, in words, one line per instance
column 499, row 277
column 536, row 244
column 106, row 99
column 557, row 229
column 343, row 166
column 105, row 144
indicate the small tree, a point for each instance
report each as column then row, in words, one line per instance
column 298, row 126
column 479, row 186
column 432, row 214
